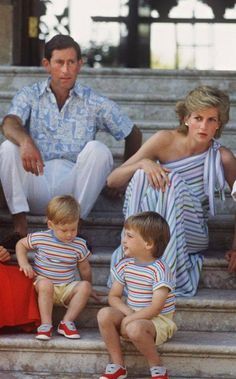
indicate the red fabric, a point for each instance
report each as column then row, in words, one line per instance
column 18, row 301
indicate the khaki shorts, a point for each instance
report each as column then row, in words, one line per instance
column 165, row 327
column 61, row 291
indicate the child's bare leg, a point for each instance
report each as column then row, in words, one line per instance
column 109, row 321
column 142, row 333
column 77, row 300
column 45, row 288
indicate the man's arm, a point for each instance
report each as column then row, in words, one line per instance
column 14, row 131
column 132, row 142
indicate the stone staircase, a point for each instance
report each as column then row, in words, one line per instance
column 205, row 344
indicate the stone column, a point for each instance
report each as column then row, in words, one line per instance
column 6, row 32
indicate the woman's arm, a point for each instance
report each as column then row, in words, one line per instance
column 229, row 164
column 144, row 159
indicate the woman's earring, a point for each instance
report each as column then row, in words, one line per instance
column 186, row 124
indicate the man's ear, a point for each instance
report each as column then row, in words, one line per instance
column 46, row 65
column 80, row 64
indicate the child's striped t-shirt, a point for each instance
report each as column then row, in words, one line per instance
column 54, row 259
column 141, row 280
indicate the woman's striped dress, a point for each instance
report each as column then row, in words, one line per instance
column 184, row 205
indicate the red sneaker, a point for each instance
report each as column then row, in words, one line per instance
column 114, row 371
column 44, row 332
column 68, row 329
column 160, row 376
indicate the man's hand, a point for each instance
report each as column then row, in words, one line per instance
column 31, row 157
column 4, row 254
column 230, row 256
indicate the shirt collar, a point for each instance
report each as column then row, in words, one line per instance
column 77, row 90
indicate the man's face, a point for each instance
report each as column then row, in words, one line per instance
column 63, row 67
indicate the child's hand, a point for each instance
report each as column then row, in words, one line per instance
column 27, row 270
column 96, row 295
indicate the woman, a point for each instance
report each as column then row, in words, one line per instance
column 17, row 297
column 175, row 174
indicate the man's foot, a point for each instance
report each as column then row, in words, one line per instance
column 10, row 241
column 114, row 371
column 44, row 332
column 68, row 329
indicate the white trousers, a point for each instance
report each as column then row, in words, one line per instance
column 84, row 179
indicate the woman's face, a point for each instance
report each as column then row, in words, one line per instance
column 203, row 124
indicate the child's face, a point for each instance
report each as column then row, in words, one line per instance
column 135, row 246
column 64, row 232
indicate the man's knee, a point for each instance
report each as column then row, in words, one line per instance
column 98, row 151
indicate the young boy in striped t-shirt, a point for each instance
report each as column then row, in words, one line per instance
column 58, row 251
column 145, row 318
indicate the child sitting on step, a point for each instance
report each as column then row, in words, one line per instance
column 58, row 251
column 146, row 318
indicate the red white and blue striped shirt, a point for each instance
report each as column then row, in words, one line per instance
column 141, row 280
column 54, row 259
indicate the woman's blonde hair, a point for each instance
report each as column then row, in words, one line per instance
column 63, row 210
column 152, row 227
column 200, row 98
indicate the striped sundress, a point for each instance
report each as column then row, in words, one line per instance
column 184, row 205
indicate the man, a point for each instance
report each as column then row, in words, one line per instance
column 231, row 254
column 51, row 128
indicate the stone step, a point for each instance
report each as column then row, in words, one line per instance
column 33, row 375
column 136, row 91
column 104, row 228
column 187, row 355
column 124, row 80
column 214, row 274
column 210, row 310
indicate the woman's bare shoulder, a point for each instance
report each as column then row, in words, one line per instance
column 165, row 136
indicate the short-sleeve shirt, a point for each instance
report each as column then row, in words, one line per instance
column 141, row 280
column 54, row 259
column 62, row 134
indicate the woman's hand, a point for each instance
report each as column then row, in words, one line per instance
column 4, row 254
column 156, row 173
column 230, row 256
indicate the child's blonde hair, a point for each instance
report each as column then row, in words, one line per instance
column 153, row 228
column 63, row 210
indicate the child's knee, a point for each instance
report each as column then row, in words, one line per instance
column 134, row 331
column 104, row 315
column 84, row 288
column 44, row 285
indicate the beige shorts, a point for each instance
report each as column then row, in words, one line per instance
column 165, row 327
column 61, row 291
